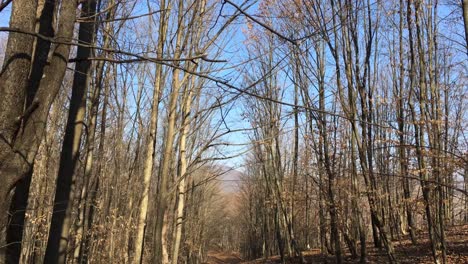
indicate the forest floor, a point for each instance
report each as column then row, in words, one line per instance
column 217, row 257
column 405, row 251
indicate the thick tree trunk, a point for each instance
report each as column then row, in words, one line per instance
column 13, row 87
column 167, row 159
column 186, row 119
column 61, row 216
column 150, row 147
column 91, row 179
column 17, row 157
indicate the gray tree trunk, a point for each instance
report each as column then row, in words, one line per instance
column 61, row 215
column 21, row 138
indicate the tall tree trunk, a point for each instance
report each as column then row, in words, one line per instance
column 182, row 175
column 91, row 179
column 183, row 157
column 358, row 80
column 421, row 139
column 13, row 88
column 401, row 121
column 151, row 144
column 167, row 159
column 419, row 129
column 17, row 156
column 61, row 216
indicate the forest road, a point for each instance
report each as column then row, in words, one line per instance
column 215, row 257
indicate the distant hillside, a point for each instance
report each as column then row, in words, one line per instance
column 230, row 181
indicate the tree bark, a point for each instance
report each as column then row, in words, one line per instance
column 167, row 159
column 151, row 144
column 13, row 88
column 17, row 157
column 61, row 217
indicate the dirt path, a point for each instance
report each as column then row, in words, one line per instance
column 215, row 257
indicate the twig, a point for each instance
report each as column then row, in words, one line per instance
column 4, row 4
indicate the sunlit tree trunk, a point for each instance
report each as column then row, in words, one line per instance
column 186, row 119
column 90, row 179
column 165, row 170
column 151, row 144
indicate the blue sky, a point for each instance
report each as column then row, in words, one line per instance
column 4, row 18
column 234, row 53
